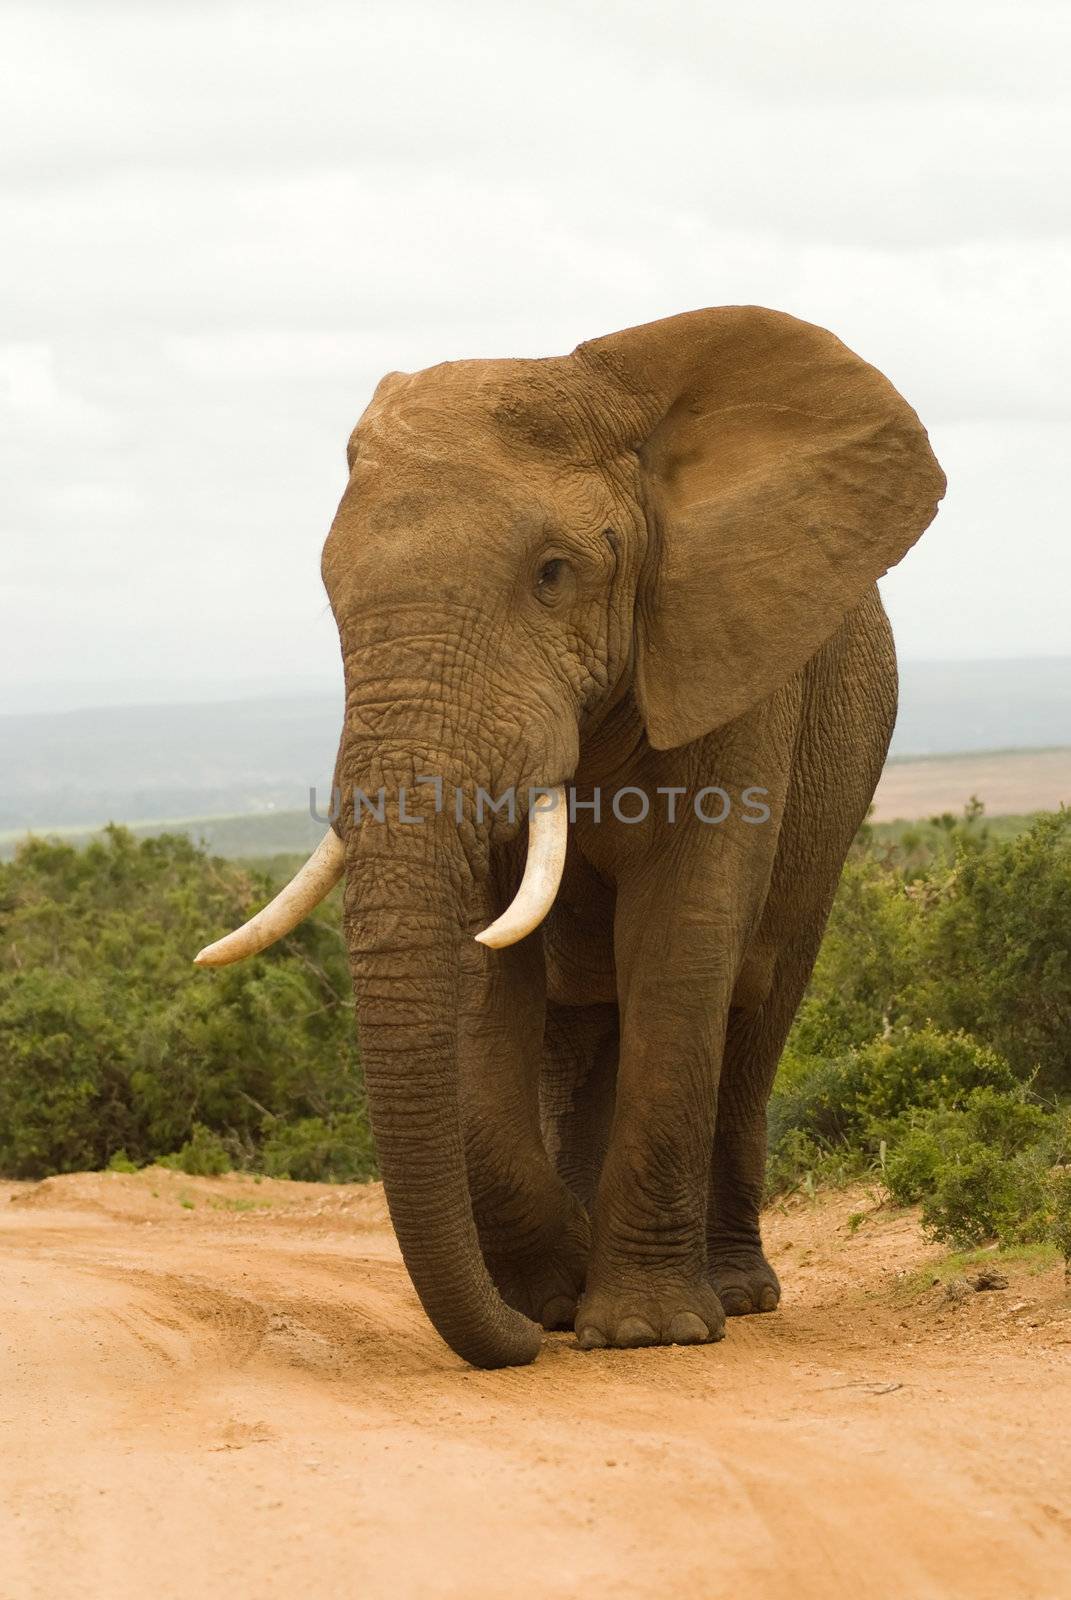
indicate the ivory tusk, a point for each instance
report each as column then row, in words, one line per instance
column 311, row 884
column 548, row 831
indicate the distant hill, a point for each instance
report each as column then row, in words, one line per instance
column 147, row 763
column 1012, row 785
column 231, row 762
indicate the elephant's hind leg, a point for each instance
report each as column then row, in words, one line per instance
column 848, row 712
column 739, row 1271
column 784, row 952
column 577, row 1091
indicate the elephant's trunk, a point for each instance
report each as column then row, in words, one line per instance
column 407, row 887
column 403, row 926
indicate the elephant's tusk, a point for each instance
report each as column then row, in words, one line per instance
column 548, row 831
column 311, row 884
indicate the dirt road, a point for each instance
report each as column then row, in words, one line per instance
column 214, row 1387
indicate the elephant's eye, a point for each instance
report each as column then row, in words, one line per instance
column 551, row 579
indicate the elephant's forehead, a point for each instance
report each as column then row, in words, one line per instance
column 395, row 493
column 409, row 512
column 424, row 507
column 410, row 483
column 451, row 467
column 477, row 410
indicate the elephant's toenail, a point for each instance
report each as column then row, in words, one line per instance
column 688, row 1328
column 633, row 1331
column 735, row 1302
column 558, row 1313
column 591, row 1339
column 768, row 1298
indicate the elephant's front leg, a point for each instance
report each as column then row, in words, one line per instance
column 647, row 1277
column 533, row 1232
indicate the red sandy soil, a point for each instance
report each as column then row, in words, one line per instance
column 217, row 1387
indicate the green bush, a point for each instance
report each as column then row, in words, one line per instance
column 978, row 1169
column 934, row 1042
column 1058, row 1198
column 977, row 1196
column 866, row 965
column 999, row 950
column 844, row 1104
column 799, row 1160
column 927, row 1068
column 973, row 934
column 111, row 1040
column 933, row 1046
column 121, row 1162
column 911, row 1167
column 204, row 1155
column 320, row 1150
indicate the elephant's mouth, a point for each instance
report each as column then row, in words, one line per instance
column 548, row 829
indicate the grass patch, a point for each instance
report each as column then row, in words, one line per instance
column 1030, row 1259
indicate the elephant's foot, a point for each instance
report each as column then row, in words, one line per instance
column 744, row 1280
column 658, row 1312
column 544, row 1279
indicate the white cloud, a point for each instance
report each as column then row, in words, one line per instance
column 992, row 575
column 225, row 221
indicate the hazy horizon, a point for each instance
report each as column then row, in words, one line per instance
column 261, row 752
column 58, row 697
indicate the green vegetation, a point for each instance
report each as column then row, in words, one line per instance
column 923, row 840
column 261, row 835
column 933, row 1049
column 204, row 1155
column 932, row 1052
column 274, row 839
column 115, row 1049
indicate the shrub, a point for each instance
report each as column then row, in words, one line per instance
column 938, row 1012
column 942, row 990
column 843, row 1107
column 204, row 1155
column 111, row 1040
column 971, row 933
column 865, row 967
column 982, row 1171
column 977, row 1196
column 1059, row 1203
column 798, row 1160
column 121, row 1162
column 911, row 1166
column 320, row 1150
column 999, row 948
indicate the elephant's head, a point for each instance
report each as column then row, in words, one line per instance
column 673, row 517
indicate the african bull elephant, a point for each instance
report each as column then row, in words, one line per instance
column 646, row 569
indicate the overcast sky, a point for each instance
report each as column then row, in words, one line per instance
column 223, row 223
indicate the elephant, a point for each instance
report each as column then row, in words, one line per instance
column 645, row 569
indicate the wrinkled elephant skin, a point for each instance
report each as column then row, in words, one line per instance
column 646, row 566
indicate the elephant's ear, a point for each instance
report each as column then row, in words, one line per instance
column 783, row 476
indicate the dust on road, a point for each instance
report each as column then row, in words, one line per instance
column 220, row 1387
